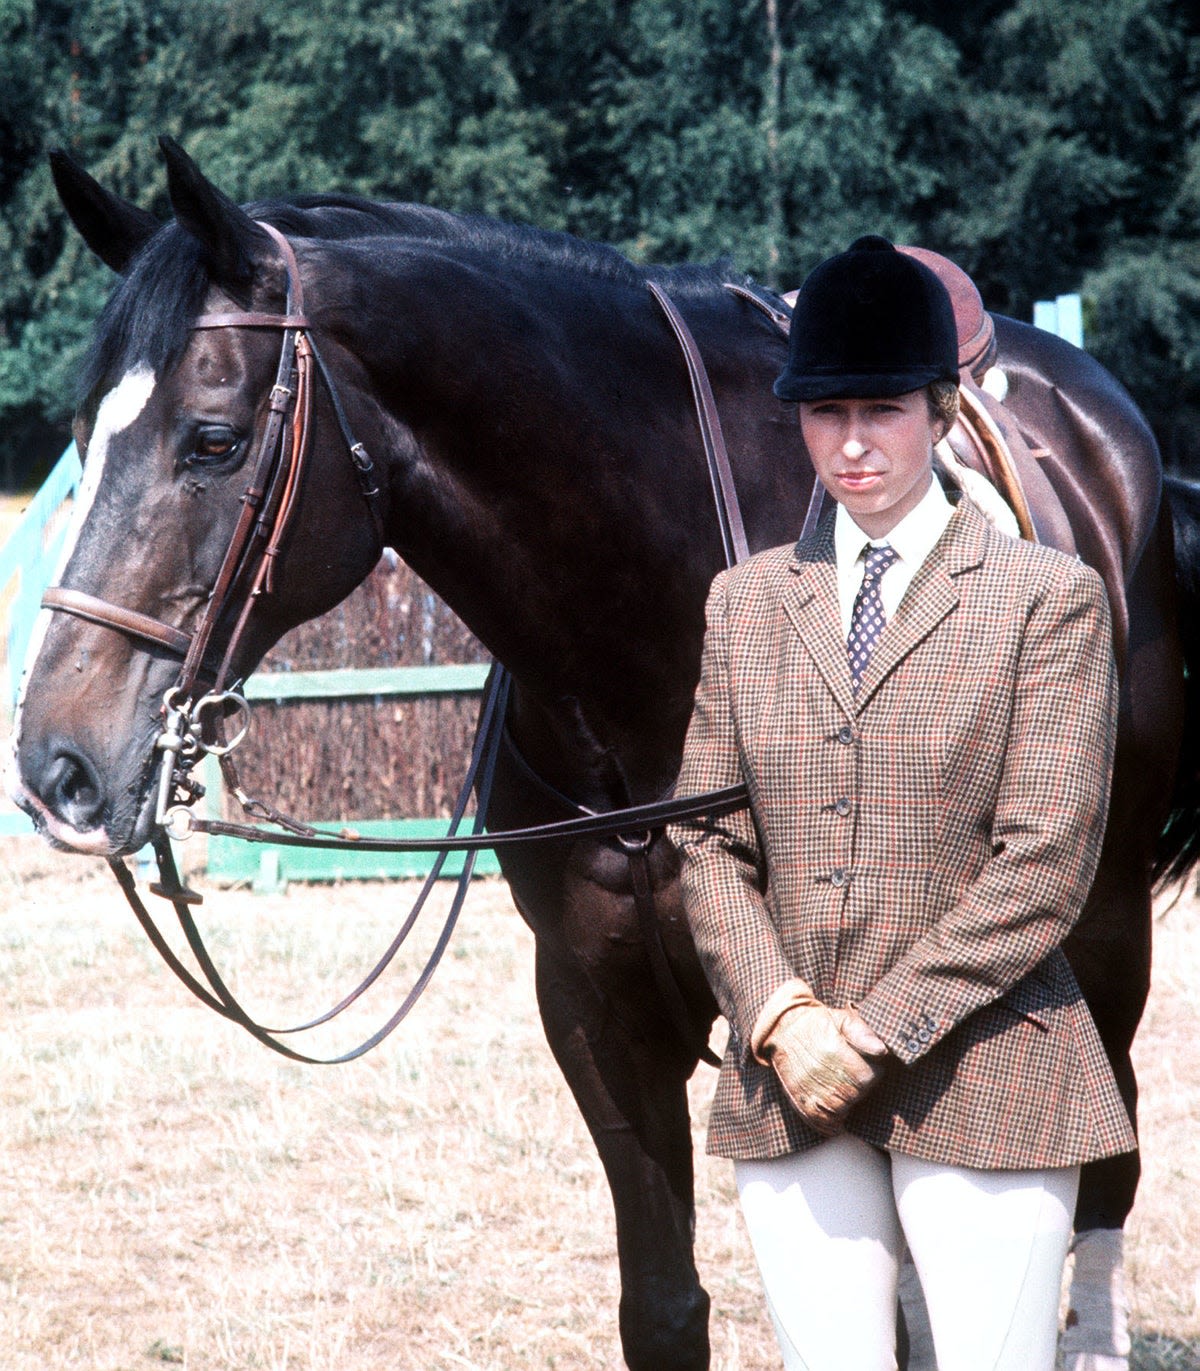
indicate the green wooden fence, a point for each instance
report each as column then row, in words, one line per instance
column 268, row 866
column 28, row 561
column 30, row 556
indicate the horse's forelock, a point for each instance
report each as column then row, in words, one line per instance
column 147, row 320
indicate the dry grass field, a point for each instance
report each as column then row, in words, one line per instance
column 171, row 1193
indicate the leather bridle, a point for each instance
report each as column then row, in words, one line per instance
column 267, row 503
column 194, row 726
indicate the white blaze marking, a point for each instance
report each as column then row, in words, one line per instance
column 119, row 408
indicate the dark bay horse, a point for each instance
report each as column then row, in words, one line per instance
column 540, row 466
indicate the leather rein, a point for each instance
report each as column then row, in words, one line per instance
column 195, row 726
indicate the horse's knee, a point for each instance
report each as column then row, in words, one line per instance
column 665, row 1331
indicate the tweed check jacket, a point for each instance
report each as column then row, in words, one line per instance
column 920, row 851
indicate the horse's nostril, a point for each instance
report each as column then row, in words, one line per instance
column 72, row 790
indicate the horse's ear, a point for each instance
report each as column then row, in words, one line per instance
column 231, row 240
column 113, row 228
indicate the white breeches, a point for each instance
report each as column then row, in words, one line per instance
column 829, row 1227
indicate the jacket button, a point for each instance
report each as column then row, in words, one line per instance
column 913, row 1045
column 843, row 806
column 839, row 876
column 923, row 1035
column 845, row 734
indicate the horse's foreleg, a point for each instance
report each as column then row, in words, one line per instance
column 634, row 1101
column 1109, row 950
column 1110, row 956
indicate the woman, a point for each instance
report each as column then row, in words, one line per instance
column 924, row 711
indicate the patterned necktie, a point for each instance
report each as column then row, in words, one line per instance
column 867, row 621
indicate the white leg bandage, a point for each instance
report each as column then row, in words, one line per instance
column 1097, row 1332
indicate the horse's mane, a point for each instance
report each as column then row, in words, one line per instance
column 340, row 217
column 147, row 318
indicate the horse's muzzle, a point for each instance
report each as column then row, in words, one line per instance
column 63, row 793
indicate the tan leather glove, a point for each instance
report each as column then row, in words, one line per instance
column 826, row 1059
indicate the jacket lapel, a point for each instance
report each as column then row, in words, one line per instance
column 931, row 595
column 810, row 600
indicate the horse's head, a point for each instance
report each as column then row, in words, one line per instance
column 172, row 431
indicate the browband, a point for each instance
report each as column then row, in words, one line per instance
column 244, row 320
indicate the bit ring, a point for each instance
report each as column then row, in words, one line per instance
column 218, row 701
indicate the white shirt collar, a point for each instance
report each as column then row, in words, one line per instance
column 913, row 537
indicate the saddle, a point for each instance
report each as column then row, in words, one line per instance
column 986, row 439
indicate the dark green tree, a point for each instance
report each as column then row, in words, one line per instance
column 1046, row 145
column 409, row 101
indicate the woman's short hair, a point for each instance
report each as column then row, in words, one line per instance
column 942, row 396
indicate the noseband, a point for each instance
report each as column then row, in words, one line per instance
column 267, row 503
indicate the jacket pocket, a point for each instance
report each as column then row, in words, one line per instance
column 1034, row 998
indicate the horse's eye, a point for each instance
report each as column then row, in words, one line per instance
column 213, row 443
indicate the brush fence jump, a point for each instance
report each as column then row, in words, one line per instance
column 268, row 867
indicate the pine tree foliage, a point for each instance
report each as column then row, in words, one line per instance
column 1046, row 145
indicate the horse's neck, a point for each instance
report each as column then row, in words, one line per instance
column 575, row 583
column 528, row 486
column 554, row 492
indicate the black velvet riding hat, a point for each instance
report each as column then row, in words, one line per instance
column 870, row 321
